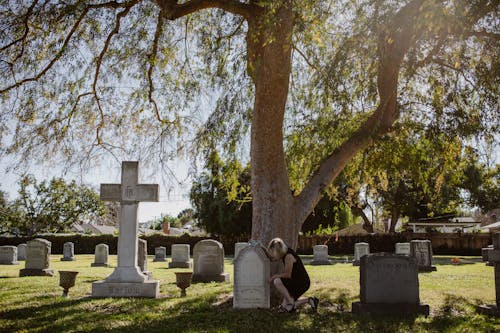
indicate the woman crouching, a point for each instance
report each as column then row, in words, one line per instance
column 294, row 281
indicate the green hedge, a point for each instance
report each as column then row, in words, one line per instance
column 452, row 244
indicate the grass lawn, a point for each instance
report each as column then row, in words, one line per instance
column 34, row 304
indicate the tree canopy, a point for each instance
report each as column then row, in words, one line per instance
column 87, row 78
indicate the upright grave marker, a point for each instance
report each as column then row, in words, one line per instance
column 494, row 258
column 101, row 254
column 8, row 255
column 209, row 262
column 180, row 256
column 160, row 254
column 389, row 285
column 422, row 251
column 237, row 248
column 142, row 257
column 37, row 258
column 251, row 278
column 21, row 252
column 360, row 249
column 127, row 280
column 320, row 255
column 68, row 252
column 485, row 254
column 403, row 248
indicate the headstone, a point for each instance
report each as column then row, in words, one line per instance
column 127, row 280
column 237, row 248
column 251, row 279
column 160, row 254
column 494, row 258
column 142, row 257
column 209, row 262
column 485, row 254
column 389, row 285
column 422, row 251
column 68, row 252
column 8, row 255
column 37, row 258
column 180, row 256
column 21, row 252
column 360, row 249
column 320, row 255
column 403, row 248
column 101, row 256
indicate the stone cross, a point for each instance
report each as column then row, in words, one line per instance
column 129, row 193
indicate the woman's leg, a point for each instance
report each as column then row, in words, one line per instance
column 288, row 301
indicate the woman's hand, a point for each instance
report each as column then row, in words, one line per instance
column 272, row 278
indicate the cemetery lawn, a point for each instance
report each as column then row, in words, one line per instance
column 34, row 304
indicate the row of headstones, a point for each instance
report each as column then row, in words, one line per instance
column 421, row 250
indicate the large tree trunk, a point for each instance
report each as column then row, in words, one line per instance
column 395, row 212
column 269, row 65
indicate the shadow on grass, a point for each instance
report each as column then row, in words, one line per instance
column 214, row 312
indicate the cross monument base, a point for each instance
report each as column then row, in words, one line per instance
column 148, row 289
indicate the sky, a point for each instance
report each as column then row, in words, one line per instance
column 172, row 200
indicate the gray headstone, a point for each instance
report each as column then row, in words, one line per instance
column 21, row 252
column 238, row 247
column 209, row 262
column 37, row 258
column 403, row 248
column 389, row 284
column 422, row 251
column 8, row 255
column 160, row 254
column 494, row 258
column 180, row 256
column 101, row 256
column 142, row 257
column 485, row 255
column 360, row 249
column 320, row 255
column 68, row 252
column 251, row 279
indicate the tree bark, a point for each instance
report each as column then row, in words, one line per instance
column 269, row 66
column 367, row 224
column 394, row 219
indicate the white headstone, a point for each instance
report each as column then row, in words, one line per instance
column 238, row 247
column 101, row 256
column 251, row 279
column 21, row 252
column 422, row 251
column 389, row 285
column 403, row 248
column 160, row 254
column 8, row 255
column 360, row 249
column 68, row 252
column 180, row 256
column 127, row 280
column 209, row 262
column 320, row 255
column 37, row 258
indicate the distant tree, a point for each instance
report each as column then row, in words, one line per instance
column 186, row 215
column 54, row 206
column 222, row 205
column 483, row 186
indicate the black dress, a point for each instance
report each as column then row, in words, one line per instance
column 299, row 283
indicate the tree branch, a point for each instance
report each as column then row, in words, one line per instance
column 173, row 10
column 99, row 59
column 152, row 61
column 112, row 4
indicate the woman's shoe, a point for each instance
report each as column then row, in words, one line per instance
column 314, row 301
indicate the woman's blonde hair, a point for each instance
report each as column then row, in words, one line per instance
column 277, row 248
